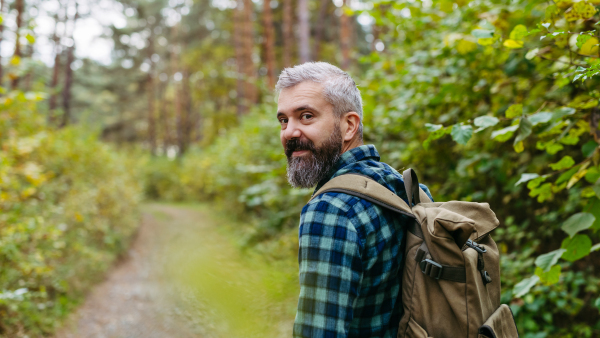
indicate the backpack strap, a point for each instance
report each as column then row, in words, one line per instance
column 411, row 185
column 368, row 189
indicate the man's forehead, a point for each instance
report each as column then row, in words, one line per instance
column 305, row 93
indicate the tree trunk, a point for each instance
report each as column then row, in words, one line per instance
column 251, row 93
column 69, row 73
column 269, row 43
column 345, row 37
column 150, row 93
column 164, row 117
column 55, row 70
column 19, row 7
column 177, row 102
column 303, row 31
column 320, row 29
column 1, row 36
column 288, row 33
column 239, row 56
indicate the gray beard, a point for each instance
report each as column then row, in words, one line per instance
column 308, row 170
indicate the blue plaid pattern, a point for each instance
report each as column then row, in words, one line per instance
column 351, row 257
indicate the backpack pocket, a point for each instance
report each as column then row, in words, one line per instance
column 501, row 324
column 415, row 330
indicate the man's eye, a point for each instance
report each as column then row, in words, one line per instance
column 307, row 116
column 283, row 121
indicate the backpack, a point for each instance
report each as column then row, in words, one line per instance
column 451, row 276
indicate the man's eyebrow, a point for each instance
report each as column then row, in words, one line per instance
column 301, row 108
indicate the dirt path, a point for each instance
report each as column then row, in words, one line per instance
column 183, row 277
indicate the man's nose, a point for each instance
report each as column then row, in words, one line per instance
column 292, row 130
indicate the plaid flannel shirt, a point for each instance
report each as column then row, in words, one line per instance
column 350, row 257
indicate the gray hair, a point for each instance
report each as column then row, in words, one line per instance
column 338, row 87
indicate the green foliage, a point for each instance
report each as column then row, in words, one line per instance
column 68, row 207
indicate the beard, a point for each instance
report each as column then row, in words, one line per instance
column 307, row 170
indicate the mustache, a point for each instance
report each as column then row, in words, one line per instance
column 297, row 145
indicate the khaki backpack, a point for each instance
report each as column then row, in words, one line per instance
column 451, row 278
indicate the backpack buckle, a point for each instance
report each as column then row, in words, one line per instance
column 431, row 268
column 475, row 246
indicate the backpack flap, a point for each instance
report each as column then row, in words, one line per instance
column 501, row 324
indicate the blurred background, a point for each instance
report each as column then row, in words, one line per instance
column 142, row 180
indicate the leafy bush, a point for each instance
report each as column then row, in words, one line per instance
column 68, row 207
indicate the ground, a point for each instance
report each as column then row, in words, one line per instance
column 184, row 276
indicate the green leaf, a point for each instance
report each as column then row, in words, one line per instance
column 550, row 277
column 577, row 223
column 592, row 175
column 435, row 135
column 581, row 39
column 593, row 207
column 566, row 175
column 482, row 33
column 597, row 188
column 554, row 148
column 595, row 248
column 504, row 134
column 526, row 177
column 484, row 122
column 30, row 38
column 462, row 133
column 589, row 148
column 524, row 130
column 576, row 247
column 547, row 260
column 564, row 163
column 433, row 127
column 523, row 287
column 514, row 111
column 518, row 33
column 562, row 112
column 542, row 117
column 536, row 182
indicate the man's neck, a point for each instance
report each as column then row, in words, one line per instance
column 355, row 142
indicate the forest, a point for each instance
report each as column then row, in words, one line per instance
column 110, row 106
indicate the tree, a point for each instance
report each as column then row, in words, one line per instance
column 69, row 71
column 303, row 31
column 288, row 32
column 19, row 7
column 269, row 41
column 345, row 34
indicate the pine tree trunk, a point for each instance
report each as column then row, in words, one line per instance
column 55, row 71
column 19, row 6
column 251, row 93
column 288, row 32
column 320, row 28
column 269, row 43
column 69, row 73
column 303, row 31
column 164, row 117
column 177, row 103
column 150, row 92
column 345, row 32
column 239, row 56
column 1, row 37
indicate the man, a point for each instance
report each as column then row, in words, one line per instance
column 351, row 250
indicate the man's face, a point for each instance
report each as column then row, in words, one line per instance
column 310, row 133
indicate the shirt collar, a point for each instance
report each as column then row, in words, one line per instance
column 361, row 153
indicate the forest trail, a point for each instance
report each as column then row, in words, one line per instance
column 185, row 277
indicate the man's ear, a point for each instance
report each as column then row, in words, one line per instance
column 351, row 126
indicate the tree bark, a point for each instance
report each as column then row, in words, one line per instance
column 55, row 71
column 288, row 33
column 150, row 93
column 345, row 33
column 239, row 57
column 69, row 73
column 1, row 36
column 251, row 92
column 177, row 101
column 269, row 43
column 19, row 6
column 303, row 31
column 320, row 29
column 164, row 116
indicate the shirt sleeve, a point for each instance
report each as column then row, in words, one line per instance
column 330, row 271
